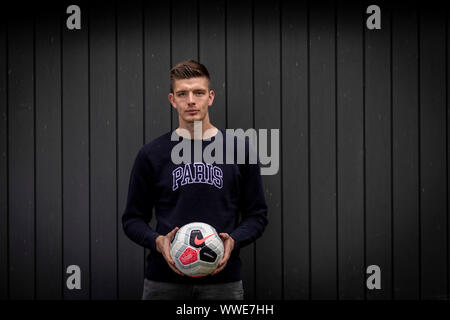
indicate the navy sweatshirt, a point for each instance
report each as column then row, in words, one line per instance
column 230, row 197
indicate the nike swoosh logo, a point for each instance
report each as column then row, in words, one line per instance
column 199, row 242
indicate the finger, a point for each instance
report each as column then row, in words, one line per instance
column 166, row 253
column 224, row 258
column 171, row 264
column 168, row 257
column 218, row 270
column 222, row 262
column 226, row 255
column 176, row 270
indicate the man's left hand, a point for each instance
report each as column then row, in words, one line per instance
column 228, row 245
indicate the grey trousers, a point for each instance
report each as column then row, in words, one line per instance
column 154, row 290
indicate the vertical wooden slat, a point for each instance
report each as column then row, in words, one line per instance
column 239, row 97
column 185, row 45
column 295, row 136
column 3, row 161
column 130, row 135
column 212, row 54
column 103, row 222
column 49, row 269
column 267, row 94
column 433, row 215
column 21, row 155
column 157, row 66
column 75, row 153
column 378, row 144
column 157, row 107
column 447, row 119
column 405, row 156
column 350, row 146
column 323, row 152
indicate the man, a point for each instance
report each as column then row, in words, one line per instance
column 153, row 183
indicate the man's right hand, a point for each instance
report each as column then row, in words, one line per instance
column 163, row 246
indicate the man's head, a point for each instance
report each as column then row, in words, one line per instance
column 190, row 91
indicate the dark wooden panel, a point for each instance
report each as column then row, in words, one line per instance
column 130, row 135
column 184, row 32
column 49, row 269
column 239, row 98
column 405, row 156
column 212, row 54
column 350, row 151
column 75, row 153
column 239, row 64
column 432, row 148
column 3, row 162
column 269, row 280
column 323, row 152
column 157, row 107
column 447, row 146
column 21, row 139
column 104, row 214
column 378, row 156
column 157, row 66
column 295, row 149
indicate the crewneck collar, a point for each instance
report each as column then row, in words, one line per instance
column 204, row 139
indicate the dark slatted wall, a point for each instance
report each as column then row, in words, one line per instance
column 363, row 119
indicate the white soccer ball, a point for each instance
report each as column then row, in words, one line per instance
column 196, row 249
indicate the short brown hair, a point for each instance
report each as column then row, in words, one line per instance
column 188, row 69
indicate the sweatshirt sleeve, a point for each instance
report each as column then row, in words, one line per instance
column 140, row 201
column 252, row 203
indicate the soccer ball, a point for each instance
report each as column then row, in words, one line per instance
column 196, row 249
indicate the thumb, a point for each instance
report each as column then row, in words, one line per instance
column 223, row 236
column 172, row 233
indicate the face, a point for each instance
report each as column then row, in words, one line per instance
column 192, row 97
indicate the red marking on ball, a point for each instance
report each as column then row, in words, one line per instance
column 189, row 256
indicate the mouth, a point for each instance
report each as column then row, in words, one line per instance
column 192, row 111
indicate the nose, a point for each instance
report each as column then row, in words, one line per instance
column 191, row 98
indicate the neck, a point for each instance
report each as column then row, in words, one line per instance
column 197, row 129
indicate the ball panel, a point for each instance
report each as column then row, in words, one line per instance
column 188, row 256
column 207, row 255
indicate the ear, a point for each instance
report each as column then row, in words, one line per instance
column 171, row 99
column 211, row 97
